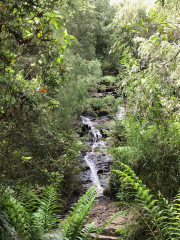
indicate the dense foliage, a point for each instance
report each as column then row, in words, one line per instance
column 147, row 140
column 45, row 76
column 53, row 56
column 43, row 90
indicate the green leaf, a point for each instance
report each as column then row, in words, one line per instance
column 125, row 26
column 62, row 48
column 67, row 41
column 152, row 10
column 153, row 38
column 56, row 23
column 25, row 159
column 60, row 60
column 71, row 37
column 64, row 33
column 51, row 15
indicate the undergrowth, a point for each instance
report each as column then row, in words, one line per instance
column 27, row 217
column 157, row 218
column 32, row 216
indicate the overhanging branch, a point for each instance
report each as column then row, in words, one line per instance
column 165, row 64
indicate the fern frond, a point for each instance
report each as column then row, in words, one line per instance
column 71, row 227
column 174, row 226
column 14, row 213
column 87, row 230
column 150, row 206
column 44, row 219
column 6, row 231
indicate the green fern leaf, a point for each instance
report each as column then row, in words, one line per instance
column 87, row 230
column 71, row 227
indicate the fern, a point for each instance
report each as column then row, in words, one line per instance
column 7, row 232
column 174, row 227
column 45, row 219
column 71, row 227
column 14, row 214
column 89, row 228
column 161, row 218
column 28, row 198
column 17, row 219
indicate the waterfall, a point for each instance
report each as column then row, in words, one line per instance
column 88, row 157
column 98, row 162
column 121, row 113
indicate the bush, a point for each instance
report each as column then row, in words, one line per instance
column 153, row 153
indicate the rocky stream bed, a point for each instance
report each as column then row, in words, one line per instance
column 97, row 164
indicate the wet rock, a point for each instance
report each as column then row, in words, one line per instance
column 90, row 115
column 100, row 171
column 110, row 88
column 104, row 153
column 103, row 88
column 104, row 168
column 102, row 113
column 99, row 158
column 83, row 152
column 104, row 135
column 85, row 176
column 87, row 186
column 85, row 166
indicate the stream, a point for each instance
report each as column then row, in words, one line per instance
column 97, row 162
column 89, row 157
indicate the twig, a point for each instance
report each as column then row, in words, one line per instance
column 165, row 64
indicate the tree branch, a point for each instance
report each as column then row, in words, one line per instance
column 165, row 64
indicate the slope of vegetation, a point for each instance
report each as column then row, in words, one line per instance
column 147, row 41
column 45, row 75
column 52, row 53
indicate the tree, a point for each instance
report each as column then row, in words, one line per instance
column 33, row 39
column 150, row 78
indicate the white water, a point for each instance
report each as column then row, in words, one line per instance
column 96, row 143
column 121, row 113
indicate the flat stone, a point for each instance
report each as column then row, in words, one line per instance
column 104, row 237
column 107, row 237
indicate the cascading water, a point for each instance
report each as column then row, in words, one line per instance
column 88, row 157
column 121, row 113
column 97, row 163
